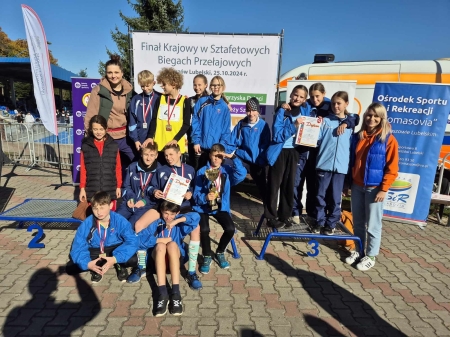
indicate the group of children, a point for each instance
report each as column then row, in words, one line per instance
column 164, row 127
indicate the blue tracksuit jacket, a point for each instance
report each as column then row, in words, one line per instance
column 136, row 115
column 249, row 142
column 230, row 176
column 211, row 124
column 334, row 151
column 283, row 128
column 119, row 231
column 157, row 229
column 132, row 183
column 163, row 173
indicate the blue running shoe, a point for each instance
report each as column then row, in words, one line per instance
column 193, row 281
column 206, row 265
column 221, row 261
column 136, row 275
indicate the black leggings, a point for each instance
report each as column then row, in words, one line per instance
column 224, row 219
column 72, row 268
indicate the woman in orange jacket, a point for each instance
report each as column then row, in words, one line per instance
column 374, row 154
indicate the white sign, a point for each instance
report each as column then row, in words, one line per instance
column 402, row 195
column 308, row 131
column 40, row 69
column 247, row 63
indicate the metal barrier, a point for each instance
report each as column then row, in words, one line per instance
column 31, row 144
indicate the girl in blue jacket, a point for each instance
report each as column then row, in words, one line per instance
column 103, row 240
column 283, row 155
column 163, row 239
column 228, row 176
column 211, row 120
column 136, row 185
column 332, row 164
column 250, row 139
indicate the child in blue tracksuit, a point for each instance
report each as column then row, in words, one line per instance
column 333, row 157
column 159, row 180
column 204, row 199
column 135, row 191
column 142, row 108
column 320, row 107
column 103, row 240
column 163, row 239
column 211, row 120
column 250, row 139
column 283, row 155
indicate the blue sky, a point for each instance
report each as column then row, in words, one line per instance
column 353, row 30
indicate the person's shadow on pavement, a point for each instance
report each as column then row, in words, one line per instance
column 43, row 316
column 349, row 310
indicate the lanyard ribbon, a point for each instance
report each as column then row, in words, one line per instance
column 182, row 170
column 162, row 232
column 102, row 241
column 143, row 187
column 144, row 111
column 170, row 113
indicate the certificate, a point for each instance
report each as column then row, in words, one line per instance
column 308, row 131
column 176, row 188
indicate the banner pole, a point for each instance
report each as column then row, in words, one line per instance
column 280, row 54
column 59, row 168
column 129, row 54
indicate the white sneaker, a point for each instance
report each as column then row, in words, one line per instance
column 354, row 255
column 296, row 219
column 365, row 264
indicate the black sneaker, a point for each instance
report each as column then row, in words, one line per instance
column 315, row 229
column 274, row 223
column 161, row 307
column 288, row 223
column 95, row 278
column 176, row 305
column 122, row 273
column 328, row 230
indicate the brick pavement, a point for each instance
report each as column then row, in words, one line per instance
column 288, row 294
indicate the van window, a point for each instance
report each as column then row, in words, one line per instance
column 281, row 97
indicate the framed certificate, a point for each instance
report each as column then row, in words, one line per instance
column 308, row 131
column 176, row 187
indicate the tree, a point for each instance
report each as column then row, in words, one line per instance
column 18, row 48
column 153, row 15
column 83, row 73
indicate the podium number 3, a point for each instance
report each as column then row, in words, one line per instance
column 34, row 241
column 314, row 247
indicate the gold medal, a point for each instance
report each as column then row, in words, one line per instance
column 168, row 127
column 102, row 256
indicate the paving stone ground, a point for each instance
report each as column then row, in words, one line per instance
column 407, row 293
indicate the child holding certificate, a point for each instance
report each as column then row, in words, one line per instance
column 212, row 198
column 164, row 240
column 135, row 196
column 157, row 185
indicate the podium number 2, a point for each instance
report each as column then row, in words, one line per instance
column 314, row 247
column 34, row 241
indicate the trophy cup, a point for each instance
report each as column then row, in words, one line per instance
column 212, row 175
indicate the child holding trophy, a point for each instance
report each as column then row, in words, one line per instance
column 212, row 198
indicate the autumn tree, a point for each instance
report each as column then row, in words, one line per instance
column 153, row 15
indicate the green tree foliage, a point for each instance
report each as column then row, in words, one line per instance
column 83, row 73
column 153, row 15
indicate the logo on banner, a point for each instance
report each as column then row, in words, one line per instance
column 93, row 85
column 79, row 132
column 77, row 85
column 78, row 149
column 85, row 99
column 78, row 113
column 78, row 167
column 401, row 197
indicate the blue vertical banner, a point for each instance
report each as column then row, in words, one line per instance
column 81, row 91
column 418, row 115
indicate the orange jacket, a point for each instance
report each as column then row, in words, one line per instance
column 391, row 167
